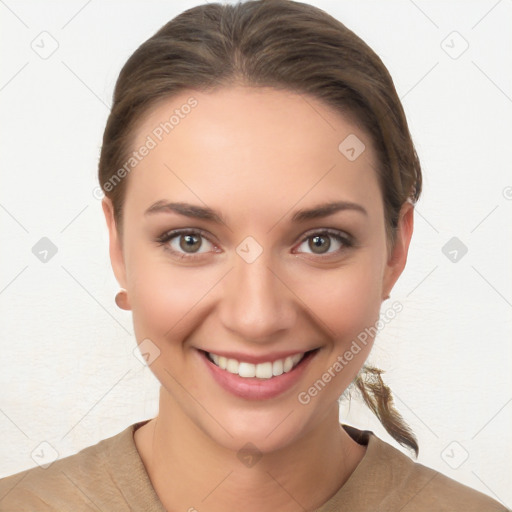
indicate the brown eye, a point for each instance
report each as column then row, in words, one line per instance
column 190, row 243
column 321, row 242
column 185, row 243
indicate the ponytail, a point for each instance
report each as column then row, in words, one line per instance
column 379, row 399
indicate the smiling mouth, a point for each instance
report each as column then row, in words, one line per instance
column 265, row 371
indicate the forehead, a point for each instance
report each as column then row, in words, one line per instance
column 254, row 146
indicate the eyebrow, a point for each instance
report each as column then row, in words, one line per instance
column 205, row 213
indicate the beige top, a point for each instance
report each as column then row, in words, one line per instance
column 110, row 476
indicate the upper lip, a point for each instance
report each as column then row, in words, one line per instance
column 256, row 359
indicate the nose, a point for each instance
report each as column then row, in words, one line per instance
column 256, row 304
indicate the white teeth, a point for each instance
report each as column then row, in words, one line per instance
column 296, row 358
column 247, row 370
column 288, row 364
column 264, row 371
column 277, row 367
column 232, row 366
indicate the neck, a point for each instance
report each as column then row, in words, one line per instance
column 189, row 471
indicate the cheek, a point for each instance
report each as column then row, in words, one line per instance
column 346, row 299
column 164, row 296
column 165, row 300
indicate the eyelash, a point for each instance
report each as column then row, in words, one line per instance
column 346, row 240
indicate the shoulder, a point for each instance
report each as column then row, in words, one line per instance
column 415, row 487
column 84, row 481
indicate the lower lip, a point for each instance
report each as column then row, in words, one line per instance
column 252, row 388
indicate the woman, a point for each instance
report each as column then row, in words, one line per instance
column 260, row 182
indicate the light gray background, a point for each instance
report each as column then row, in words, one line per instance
column 68, row 375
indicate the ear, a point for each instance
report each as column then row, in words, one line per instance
column 115, row 244
column 398, row 256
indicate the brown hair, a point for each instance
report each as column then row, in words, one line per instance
column 286, row 45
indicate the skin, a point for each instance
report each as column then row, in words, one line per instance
column 255, row 155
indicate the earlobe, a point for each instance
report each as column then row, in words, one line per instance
column 121, row 300
column 398, row 256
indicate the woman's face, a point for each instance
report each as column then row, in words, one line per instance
column 249, row 275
